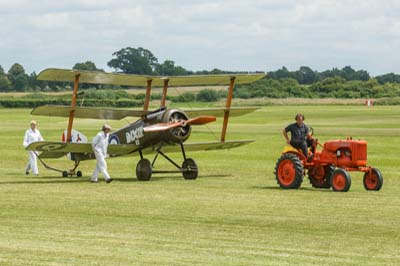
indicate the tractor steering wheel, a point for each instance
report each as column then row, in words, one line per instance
column 311, row 131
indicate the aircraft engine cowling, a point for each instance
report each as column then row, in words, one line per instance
column 178, row 134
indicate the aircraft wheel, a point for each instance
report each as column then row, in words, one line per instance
column 143, row 170
column 64, row 174
column 79, row 174
column 373, row 180
column 289, row 171
column 320, row 176
column 189, row 169
column 340, row 180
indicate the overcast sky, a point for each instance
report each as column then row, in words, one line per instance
column 230, row 35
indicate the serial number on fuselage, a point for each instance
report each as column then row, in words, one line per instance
column 134, row 135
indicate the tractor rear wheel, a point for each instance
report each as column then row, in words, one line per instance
column 373, row 180
column 289, row 171
column 340, row 180
column 320, row 176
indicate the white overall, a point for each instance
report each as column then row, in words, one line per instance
column 32, row 136
column 99, row 145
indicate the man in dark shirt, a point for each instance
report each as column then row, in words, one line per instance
column 300, row 136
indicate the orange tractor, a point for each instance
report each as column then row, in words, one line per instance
column 329, row 167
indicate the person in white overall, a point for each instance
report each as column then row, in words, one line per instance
column 32, row 135
column 100, row 145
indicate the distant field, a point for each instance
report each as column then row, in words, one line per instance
column 179, row 91
column 173, row 91
column 233, row 214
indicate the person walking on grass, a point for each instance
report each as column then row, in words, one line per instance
column 32, row 134
column 100, row 145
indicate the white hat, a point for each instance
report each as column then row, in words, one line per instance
column 106, row 126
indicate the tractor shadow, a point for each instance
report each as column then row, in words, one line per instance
column 277, row 188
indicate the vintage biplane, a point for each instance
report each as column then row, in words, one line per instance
column 159, row 132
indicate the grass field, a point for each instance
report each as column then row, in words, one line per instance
column 233, row 214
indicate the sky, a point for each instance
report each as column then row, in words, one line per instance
column 236, row 35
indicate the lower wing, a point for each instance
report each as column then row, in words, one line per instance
column 200, row 146
column 50, row 149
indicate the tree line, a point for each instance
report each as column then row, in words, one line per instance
column 305, row 82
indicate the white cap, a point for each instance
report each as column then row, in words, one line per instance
column 106, row 126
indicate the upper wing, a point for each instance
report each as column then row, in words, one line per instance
column 219, row 112
column 86, row 112
column 118, row 114
column 95, row 77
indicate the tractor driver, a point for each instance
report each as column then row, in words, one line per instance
column 300, row 135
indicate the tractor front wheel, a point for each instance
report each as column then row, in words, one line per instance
column 373, row 179
column 289, row 171
column 340, row 180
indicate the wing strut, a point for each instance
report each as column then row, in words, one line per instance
column 147, row 99
column 228, row 106
column 164, row 93
column 73, row 105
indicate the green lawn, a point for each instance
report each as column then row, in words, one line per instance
column 233, row 214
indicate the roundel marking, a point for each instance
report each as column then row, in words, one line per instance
column 51, row 146
column 113, row 140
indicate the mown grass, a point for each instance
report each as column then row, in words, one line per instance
column 233, row 214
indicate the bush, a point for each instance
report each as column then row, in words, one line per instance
column 208, row 95
column 184, row 97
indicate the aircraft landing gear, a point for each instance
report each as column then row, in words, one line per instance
column 71, row 173
column 63, row 172
column 189, row 169
column 144, row 169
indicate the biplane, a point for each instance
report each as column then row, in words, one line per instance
column 155, row 132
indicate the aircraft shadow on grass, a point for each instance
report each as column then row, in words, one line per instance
column 57, row 180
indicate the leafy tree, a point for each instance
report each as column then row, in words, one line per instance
column 5, row 84
column 362, row 75
column 134, row 61
column 168, row 68
column 16, row 70
column 88, row 65
column 390, row 77
column 305, row 75
column 4, row 81
column 280, row 73
column 180, row 71
column 348, row 73
column 18, row 78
